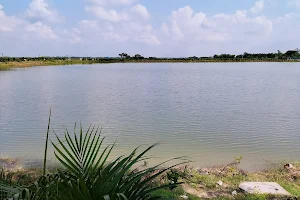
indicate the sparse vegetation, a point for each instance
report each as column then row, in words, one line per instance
column 201, row 183
column 11, row 62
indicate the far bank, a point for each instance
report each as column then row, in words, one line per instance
column 26, row 63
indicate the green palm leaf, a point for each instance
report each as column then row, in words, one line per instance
column 92, row 177
column 88, row 175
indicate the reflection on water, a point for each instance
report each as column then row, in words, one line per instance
column 209, row 112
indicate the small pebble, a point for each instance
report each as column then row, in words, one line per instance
column 234, row 193
column 184, row 197
column 289, row 166
column 220, row 183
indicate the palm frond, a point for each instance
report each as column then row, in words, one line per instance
column 80, row 154
column 87, row 174
column 92, row 177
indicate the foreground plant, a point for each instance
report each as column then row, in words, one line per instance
column 87, row 174
column 10, row 189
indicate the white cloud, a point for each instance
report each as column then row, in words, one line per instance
column 73, row 36
column 258, row 7
column 165, row 29
column 41, row 30
column 136, row 12
column 125, row 31
column 123, row 25
column 113, row 2
column 185, row 24
column 239, row 16
column 88, row 23
column 130, row 31
column 294, row 3
column 127, row 27
column 110, row 35
column 40, row 10
column 287, row 17
column 140, row 11
column 148, row 39
column 107, row 14
column 20, row 29
column 8, row 23
column 140, row 33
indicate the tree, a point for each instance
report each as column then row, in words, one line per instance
column 245, row 55
column 138, row 56
column 124, row 55
column 292, row 54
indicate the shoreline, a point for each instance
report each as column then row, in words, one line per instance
column 25, row 64
column 199, row 183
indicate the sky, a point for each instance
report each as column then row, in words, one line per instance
column 162, row 28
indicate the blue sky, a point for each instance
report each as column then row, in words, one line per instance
column 148, row 27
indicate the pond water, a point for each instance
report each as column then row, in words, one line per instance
column 208, row 112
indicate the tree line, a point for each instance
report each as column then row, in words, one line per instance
column 288, row 55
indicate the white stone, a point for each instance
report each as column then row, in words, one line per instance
column 184, row 197
column 220, row 183
column 263, row 188
column 233, row 193
column 289, row 166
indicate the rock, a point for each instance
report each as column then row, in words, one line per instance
column 295, row 175
column 220, row 183
column 289, row 166
column 203, row 171
column 263, row 188
column 184, row 197
column 233, row 193
column 243, row 172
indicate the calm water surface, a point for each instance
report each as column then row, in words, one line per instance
column 209, row 112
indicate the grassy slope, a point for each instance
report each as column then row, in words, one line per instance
column 24, row 64
column 7, row 65
column 202, row 185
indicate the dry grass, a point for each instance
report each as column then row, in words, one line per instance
column 24, row 64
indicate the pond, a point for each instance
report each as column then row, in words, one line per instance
column 210, row 112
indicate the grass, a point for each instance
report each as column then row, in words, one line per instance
column 202, row 183
column 24, row 64
column 177, row 195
